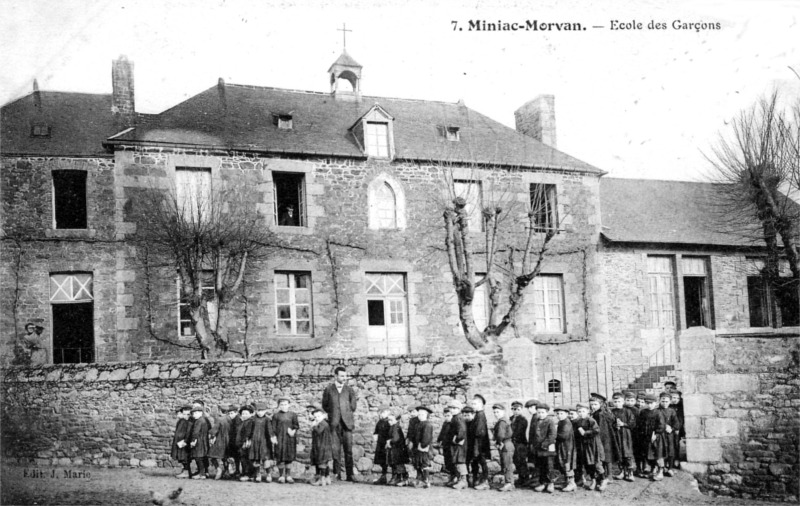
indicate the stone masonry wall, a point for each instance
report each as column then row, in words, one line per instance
column 741, row 402
column 123, row 414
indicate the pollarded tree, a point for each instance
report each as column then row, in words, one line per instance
column 523, row 233
column 211, row 239
column 758, row 162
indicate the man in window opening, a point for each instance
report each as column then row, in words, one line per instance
column 33, row 346
column 287, row 217
column 339, row 401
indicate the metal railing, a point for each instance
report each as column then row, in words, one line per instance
column 568, row 384
column 642, row 376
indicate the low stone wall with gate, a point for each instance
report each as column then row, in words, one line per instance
column 741, row 402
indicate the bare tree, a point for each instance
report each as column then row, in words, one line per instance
column 758, row 161
column 524, row 235
column 211, row 239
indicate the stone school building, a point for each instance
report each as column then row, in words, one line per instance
column 352, row 187
column 638, row 286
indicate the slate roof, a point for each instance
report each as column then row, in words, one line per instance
column 79, row 122
column 243, row 121
column 669, row 212
column 346, row 60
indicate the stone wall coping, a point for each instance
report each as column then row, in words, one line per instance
column 415, row 364
column 763, row 332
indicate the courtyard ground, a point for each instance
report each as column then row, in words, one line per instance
column 53, row 485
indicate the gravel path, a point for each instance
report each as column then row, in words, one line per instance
column 50, row 485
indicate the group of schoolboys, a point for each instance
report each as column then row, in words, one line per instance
column 249, row 439
column 639, row 434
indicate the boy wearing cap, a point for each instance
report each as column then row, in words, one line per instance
column 218, row 437
column 650, row 426
column 243, row 442
column 321, row 447
column 199, row 441
column 398, row 451
column 422, row 455
column 503, row 438
column 623, row 437
column 565, row 448
column 519, row 430
column 260, row 451
column 606, row 421
column 284, row 438
column 544, row 444
column 671, row 429
column 380, row 435
column 232, row 450
column 589, row 448
column 481, row 446
column 458, row 437
column 443, row 443
column 411, row 431
column 531, row 405
column 180, row 450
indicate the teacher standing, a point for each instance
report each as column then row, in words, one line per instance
column 339, row 401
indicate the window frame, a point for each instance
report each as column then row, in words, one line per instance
column 368, row 147
column 547, row 303
column 58, row 174
column 550, row 205
column 478, row 211
column 181, row 302
column 293, row 304
column 302, row 198
column 200, row 204
column 656, row 299
column 452, row 134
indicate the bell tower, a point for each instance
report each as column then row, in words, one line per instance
column 345, row 74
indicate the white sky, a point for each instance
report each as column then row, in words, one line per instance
column 634, row 103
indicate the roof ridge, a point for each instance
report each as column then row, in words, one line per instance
column 309, row 92
column 660, row 180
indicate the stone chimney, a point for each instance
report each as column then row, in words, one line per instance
column 37, row 98
column 122, row 102
column 537, row 119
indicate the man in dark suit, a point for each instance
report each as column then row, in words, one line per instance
column 339, row 401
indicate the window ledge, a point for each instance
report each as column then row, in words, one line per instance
column 292, row 230
column 555, row 338
column 85, row 233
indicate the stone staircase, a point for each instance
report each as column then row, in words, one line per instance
column 652, row 379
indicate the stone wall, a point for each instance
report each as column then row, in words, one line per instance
column 123, row 414
column 741, row 403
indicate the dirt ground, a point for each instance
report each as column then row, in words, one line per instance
column 53, row 485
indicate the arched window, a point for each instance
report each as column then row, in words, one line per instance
column 553, row 387
column 386, row 207
column 387, row 204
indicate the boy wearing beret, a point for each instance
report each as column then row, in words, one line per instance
column 260, row 450
column 443, row 443
column 232, row 450
column 411, row 431
column 199, row 441
column 468, row 413
column 677, row 405
column 458, row 438
column 519, row 430
column 606, row 421
column 243, row 442
column 531, row 405
column 544, row 444
column 180, row 450
column 422, row 455
column 284, row 439
column 218, row 437
column 671, row 430
column 505, row 445
column 321, row 447
column 589, row 447
column 651, row 425
column 565, row 448
column 623, row 437
column 481, row 446
column 380, row 435
column 398, row 451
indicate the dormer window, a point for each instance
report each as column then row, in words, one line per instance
column 374, row 133
column 282, row 121
column 377, row 139
column 451, row 133
column 40, row 131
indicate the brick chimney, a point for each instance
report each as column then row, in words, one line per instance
column 537, row 119
column 122, row 102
